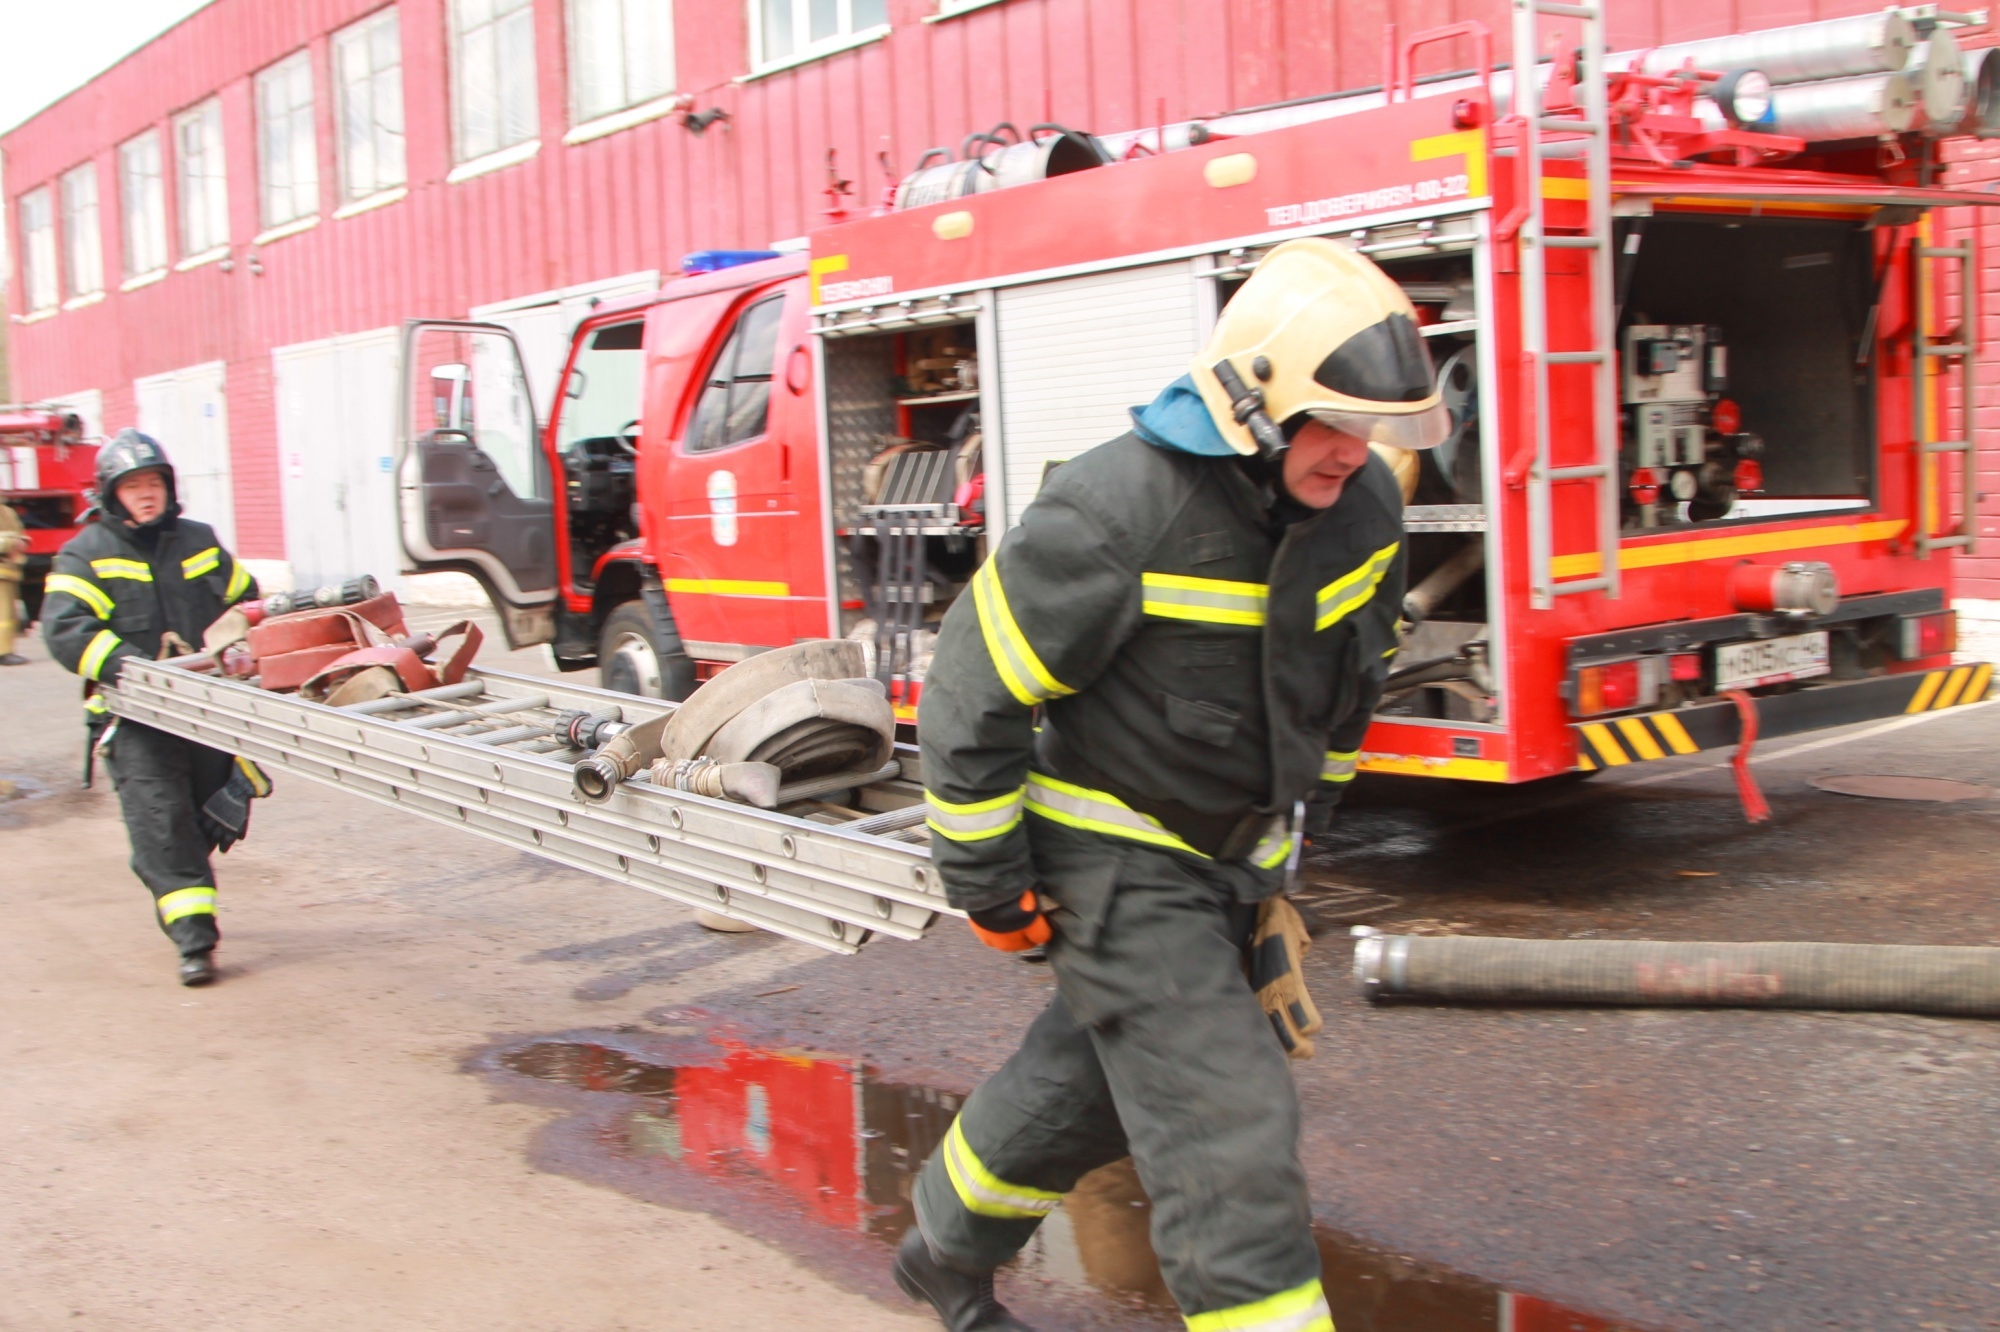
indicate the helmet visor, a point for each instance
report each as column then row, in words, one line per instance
column 1416, row 430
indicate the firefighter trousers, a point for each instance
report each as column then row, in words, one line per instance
column 1155, row 1047
column 162, row 780
column 10, row 605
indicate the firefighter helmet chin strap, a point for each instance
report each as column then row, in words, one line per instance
column 1246, row 403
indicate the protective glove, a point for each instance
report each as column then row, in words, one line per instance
column 1012, row 927
column 225, row 816
column 1277, row 950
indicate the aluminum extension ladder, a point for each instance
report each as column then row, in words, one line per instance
column 1928, row 402
column 492, row 756
column 1538, row 129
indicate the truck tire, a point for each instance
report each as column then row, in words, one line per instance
column 632, row 660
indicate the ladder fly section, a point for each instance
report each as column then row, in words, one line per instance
column 1928, row 400
column 487, row 756
column 1536, row 130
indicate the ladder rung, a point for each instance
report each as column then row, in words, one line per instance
column 1571, row 242
column 1555, row 10
column 1576, row 585
column 1946, row 445
column 1557, row 125
column 1581, row 472
column 1945, row 542
column 1945, row 251
column 1949, row 349
column 1573, row 358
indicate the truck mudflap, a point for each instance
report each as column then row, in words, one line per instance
column 1618, row 741
column 511, row 783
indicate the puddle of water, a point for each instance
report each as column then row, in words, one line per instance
column 843, row 1147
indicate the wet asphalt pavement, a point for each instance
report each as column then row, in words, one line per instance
column 1475, row 1168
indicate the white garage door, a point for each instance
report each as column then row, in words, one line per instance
column 1076, row 355
column 542, row 324
column 337, row 456
column 186, row 411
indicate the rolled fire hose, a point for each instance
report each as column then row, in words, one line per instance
column 1899, row 978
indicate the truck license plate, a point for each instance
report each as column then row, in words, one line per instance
column 1747, row 665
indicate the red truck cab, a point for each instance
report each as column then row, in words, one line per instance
column 666, row 518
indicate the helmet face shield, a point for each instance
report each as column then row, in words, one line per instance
column 1423, row 429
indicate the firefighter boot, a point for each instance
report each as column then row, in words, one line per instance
column 198, row 969
column 964, row 1301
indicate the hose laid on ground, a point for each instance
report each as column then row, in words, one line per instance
column 1898, row 978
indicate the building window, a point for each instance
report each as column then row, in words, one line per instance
column 368, row 67
column 493, row 75
column 788, row 30
column 204, row 188
column 287, row 149
column 38, row 250
column 143, row 195
column 621, row 53
column 83, row 242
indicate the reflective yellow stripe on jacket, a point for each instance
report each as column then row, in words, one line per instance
column 984, row 1192
column 1099, row 812
column 1013, row 658
column 1351, row 591
column 96, row 653
column 136, row 570
column 185, row 902
column 1340, row 766
column 201, row 562
column 1300, row 1309
column 1208, row 600
column 974, row 822
column 88, row 593
column 239, row 580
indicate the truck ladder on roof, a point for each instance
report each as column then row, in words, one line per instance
column 486, row 756
column 1536, row 129
column 1928, row 401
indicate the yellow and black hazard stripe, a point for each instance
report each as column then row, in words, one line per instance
column 1615, row 742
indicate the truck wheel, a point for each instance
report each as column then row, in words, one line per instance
column 628, row 653
column 632, row 660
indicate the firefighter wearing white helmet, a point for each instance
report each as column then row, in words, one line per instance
column 1180, row 645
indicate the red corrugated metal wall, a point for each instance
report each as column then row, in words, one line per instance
column 640, row 198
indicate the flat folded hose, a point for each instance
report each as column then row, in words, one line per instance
column 1899, row 978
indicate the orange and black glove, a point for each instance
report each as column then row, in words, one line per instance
column 1012, row 927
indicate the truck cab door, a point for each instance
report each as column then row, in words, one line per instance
column 474, row 490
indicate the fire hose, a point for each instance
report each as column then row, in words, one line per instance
column 1901, row 978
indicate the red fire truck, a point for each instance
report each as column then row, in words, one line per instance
column 1709, row 379
column 47, row 475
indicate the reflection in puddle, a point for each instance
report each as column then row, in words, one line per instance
column 846, row 1146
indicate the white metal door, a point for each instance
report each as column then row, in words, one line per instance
column 337, row 452
column 187, row 412
column 1077, row 355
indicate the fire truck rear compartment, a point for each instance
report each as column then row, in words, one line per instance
column 1746, row 379
column 904, row 446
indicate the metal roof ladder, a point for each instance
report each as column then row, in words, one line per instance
column 1928, row 402
column 1538, row 130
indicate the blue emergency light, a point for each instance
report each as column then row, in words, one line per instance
column 714, row 261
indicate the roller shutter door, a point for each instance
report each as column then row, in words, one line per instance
column 1077, row 355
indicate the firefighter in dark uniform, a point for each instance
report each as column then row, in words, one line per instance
column 118, row 589
column 1201, row 613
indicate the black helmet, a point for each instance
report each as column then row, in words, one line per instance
column 131, row 452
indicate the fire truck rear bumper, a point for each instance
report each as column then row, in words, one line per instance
column 1618, row 741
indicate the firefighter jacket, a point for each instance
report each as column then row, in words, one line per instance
column 109, row 597
column 1198, row 665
